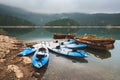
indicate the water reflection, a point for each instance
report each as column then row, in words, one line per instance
column 99, row 53
column 62, row 30
column 18, row 31
column 33, row 33
column 77, row 59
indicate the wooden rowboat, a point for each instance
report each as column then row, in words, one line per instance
column 96, row 42
column 63, row 36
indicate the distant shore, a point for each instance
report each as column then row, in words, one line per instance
column 60, row 27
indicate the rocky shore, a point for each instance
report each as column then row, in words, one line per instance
column 12, row 66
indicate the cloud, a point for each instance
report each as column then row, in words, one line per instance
column 66, row 6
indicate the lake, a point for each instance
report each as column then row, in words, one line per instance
column 47, row 33
column 99, row 65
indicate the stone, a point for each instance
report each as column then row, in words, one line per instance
column 2, row 55
column 26, row 60
column 2, row 60
column 36, row 74
column 15, row 69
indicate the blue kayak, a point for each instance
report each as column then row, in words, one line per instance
column 69, row 41
column 74, row 45
column 27, row 51
column 69, row 52
column 65, row 51
column 40, row 58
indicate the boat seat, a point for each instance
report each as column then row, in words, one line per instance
column 42, row 50
column 74, row 50
column 62, row 43
column 68, row 40
column 39, row 56
column 57, row 47
column 56, row 41
column 31, row 47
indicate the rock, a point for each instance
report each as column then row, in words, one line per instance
column 36, row 74
column 14, row 48
column 7, row 51
column 15, row 69
column 2, row 55
column 26, row 60
column 31, row 74
column 2, row 60
column 7, row 44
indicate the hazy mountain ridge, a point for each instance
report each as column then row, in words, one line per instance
column 100, row 19
column 6, row 20
column 63, row 22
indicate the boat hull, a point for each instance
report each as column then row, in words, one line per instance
column 65, row 51
column 74, row 46
column 27, row 51
column 40, row 62
column 43, row 58
column 69, row 52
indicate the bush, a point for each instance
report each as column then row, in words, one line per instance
column 2, row 32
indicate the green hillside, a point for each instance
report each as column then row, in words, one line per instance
column 62, row 22
column 6, row 20
column 82, row 19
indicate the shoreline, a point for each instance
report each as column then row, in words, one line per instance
column 107, row 27
column 14, row 67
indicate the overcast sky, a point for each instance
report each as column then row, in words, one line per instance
column 66, row 6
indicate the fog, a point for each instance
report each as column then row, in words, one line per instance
column 66, row 6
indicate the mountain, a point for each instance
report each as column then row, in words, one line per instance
column 38, row 19
column 63, row 22
column 98, row 19
column 6, row 20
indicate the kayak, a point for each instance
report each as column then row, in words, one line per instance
column 69, row 41
column 65, row 51
column 41, row 57
column 69, row 52
column 74, row 45
column 27, row 51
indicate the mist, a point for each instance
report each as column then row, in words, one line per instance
column 66, row 6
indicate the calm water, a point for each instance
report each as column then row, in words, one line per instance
column 99, row 65
column 47, row 33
